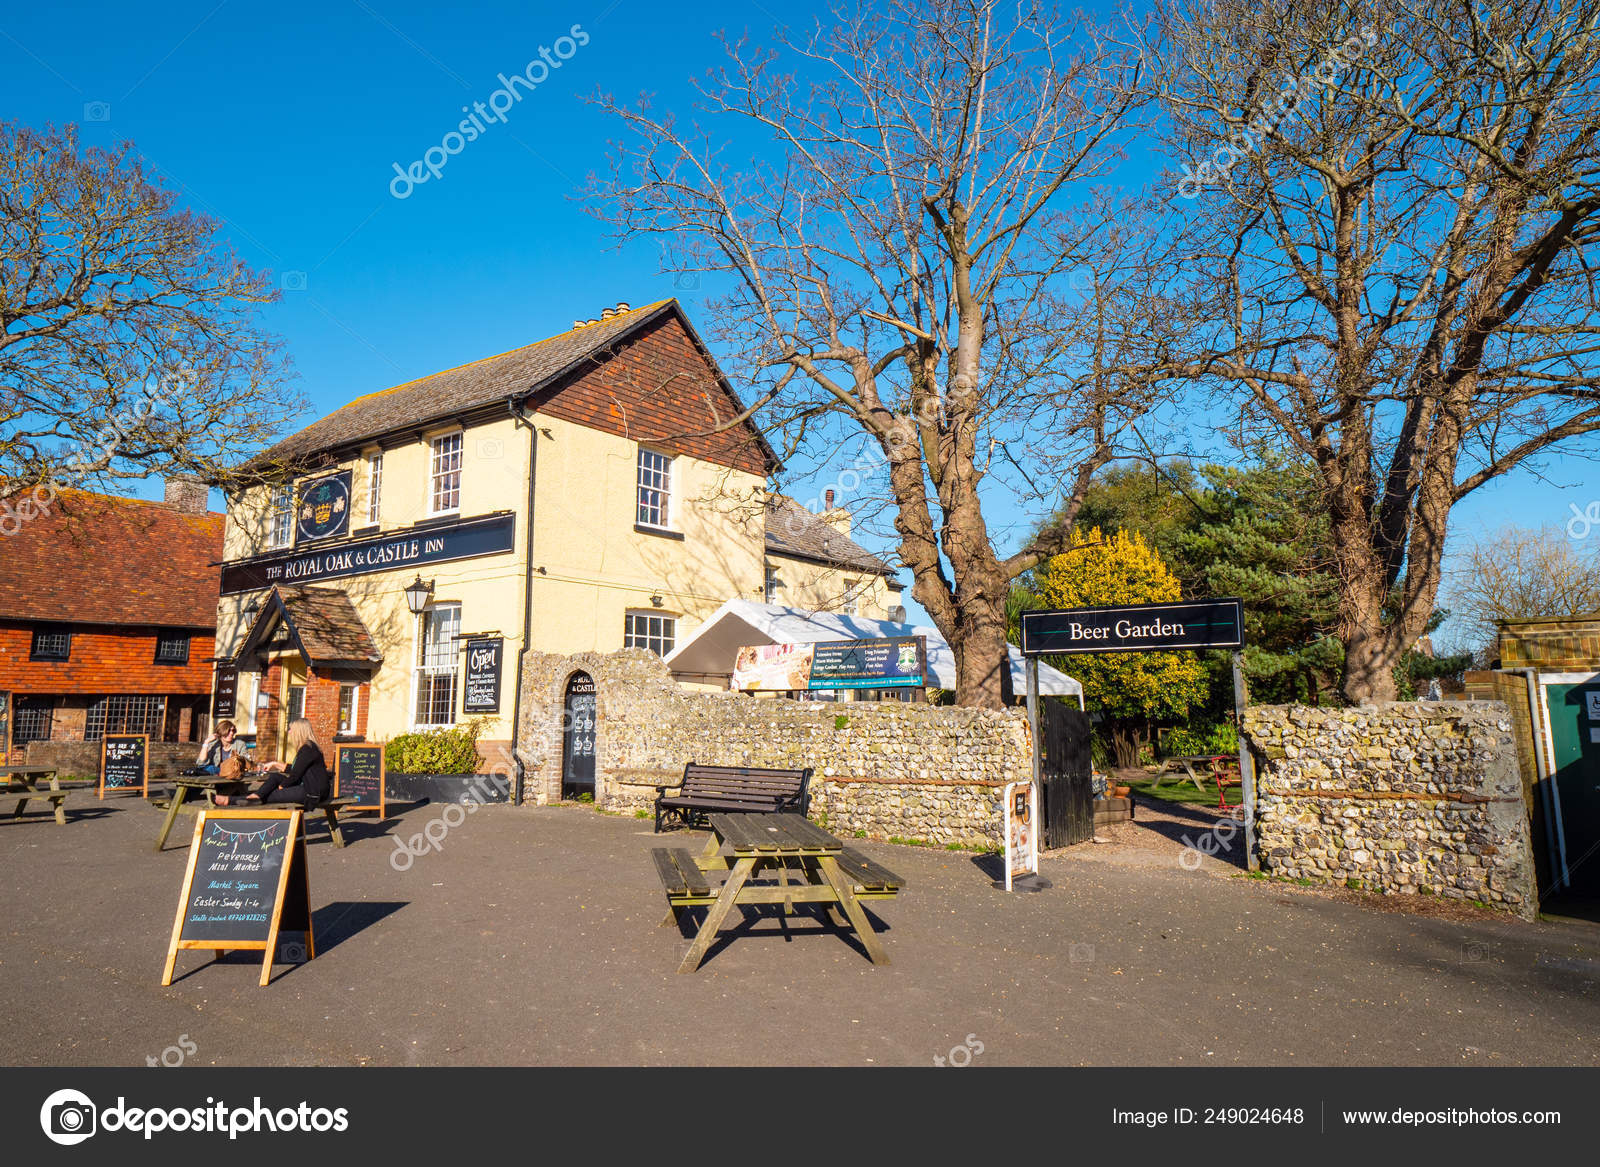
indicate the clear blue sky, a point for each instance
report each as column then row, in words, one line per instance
column 285, row 122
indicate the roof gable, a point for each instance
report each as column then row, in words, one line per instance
column 546, row 371
column 321, row 624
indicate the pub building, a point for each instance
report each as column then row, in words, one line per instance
column 108, row 608
column 582, row 493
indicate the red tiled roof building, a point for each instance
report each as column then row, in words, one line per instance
column 108, row 619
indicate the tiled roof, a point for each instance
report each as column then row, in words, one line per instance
column 447, row 394
column 323, row 622
column 793, row 530
column 96, row 559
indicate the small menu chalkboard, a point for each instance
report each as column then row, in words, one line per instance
column 224, row 697
column 124, row 763
column 358, row 774
column 481, row 694
column 246, row 880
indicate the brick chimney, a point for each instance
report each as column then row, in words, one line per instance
column 188, row 495
column 836, row 517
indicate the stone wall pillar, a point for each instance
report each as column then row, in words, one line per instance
column 1410, row 798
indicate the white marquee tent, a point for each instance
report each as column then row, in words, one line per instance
column 708, row 655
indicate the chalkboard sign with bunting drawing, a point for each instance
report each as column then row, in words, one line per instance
column 246, row 881
column 358, row 774
column 125, row 763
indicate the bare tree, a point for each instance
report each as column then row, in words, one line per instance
column 127, row 336
column 1398, row 206
column 921, row 259
column 1518, row 572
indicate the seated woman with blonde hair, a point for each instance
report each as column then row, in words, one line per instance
column 305, row 780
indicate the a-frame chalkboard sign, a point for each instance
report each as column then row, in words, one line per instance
column 358, row 774
column 246, row 881
column 125, row 763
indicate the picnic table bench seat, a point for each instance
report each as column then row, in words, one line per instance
column 685, row 884
column 22, row 794
column 733, row 789
column 872, row 879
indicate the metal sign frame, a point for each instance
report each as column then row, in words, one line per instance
column 1032, row 651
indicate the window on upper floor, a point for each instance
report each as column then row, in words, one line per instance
column 655, row 489
column 172, row 648
column 771, row 585
column 374, row 487
column 51, row 642
column 282, row 533
column 444, row 482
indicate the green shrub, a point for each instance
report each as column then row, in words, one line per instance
column 1194, row 740
column 438, row 751
column 840, row 721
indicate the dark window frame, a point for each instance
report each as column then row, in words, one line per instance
column 175, row 662
column 50, row 630
column 31, row 708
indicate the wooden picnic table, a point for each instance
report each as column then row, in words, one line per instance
column 22, row 783
column 811, row 866
column 209, row 786
column 206, row 787
column 1188, row 764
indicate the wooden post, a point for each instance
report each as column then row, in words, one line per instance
column 1033, row 713
column 1247, row 777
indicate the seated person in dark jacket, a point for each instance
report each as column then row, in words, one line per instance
column 306, row 780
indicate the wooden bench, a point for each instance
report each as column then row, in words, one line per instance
column 873, row 880
column 735, row 789
column 22, row 794
column 681, row 878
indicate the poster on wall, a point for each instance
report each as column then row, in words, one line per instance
column 5, row 726
column 772, row 667
column 324, row 507
column 482, row 693
column 885, row 662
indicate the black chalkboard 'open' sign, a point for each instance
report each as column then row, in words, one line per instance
column 358, row 774
column 482, row 694
column 247, row 880
column 124, row 763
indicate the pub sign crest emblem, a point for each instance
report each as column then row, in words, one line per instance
column 324, row 507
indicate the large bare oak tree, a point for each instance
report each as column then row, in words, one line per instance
column 1398, row 206
column 921, row 259
column 128, row 337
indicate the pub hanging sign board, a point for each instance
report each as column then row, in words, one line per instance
column 324, row 509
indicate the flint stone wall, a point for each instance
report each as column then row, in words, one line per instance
column 1402, row 796
column 928, row 773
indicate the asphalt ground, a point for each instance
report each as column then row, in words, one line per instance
column 531, row 936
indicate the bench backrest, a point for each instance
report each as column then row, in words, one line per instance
column 748, row 782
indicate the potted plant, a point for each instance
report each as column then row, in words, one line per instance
column 441, row 765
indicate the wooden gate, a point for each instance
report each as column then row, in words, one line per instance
column 1066, row 794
